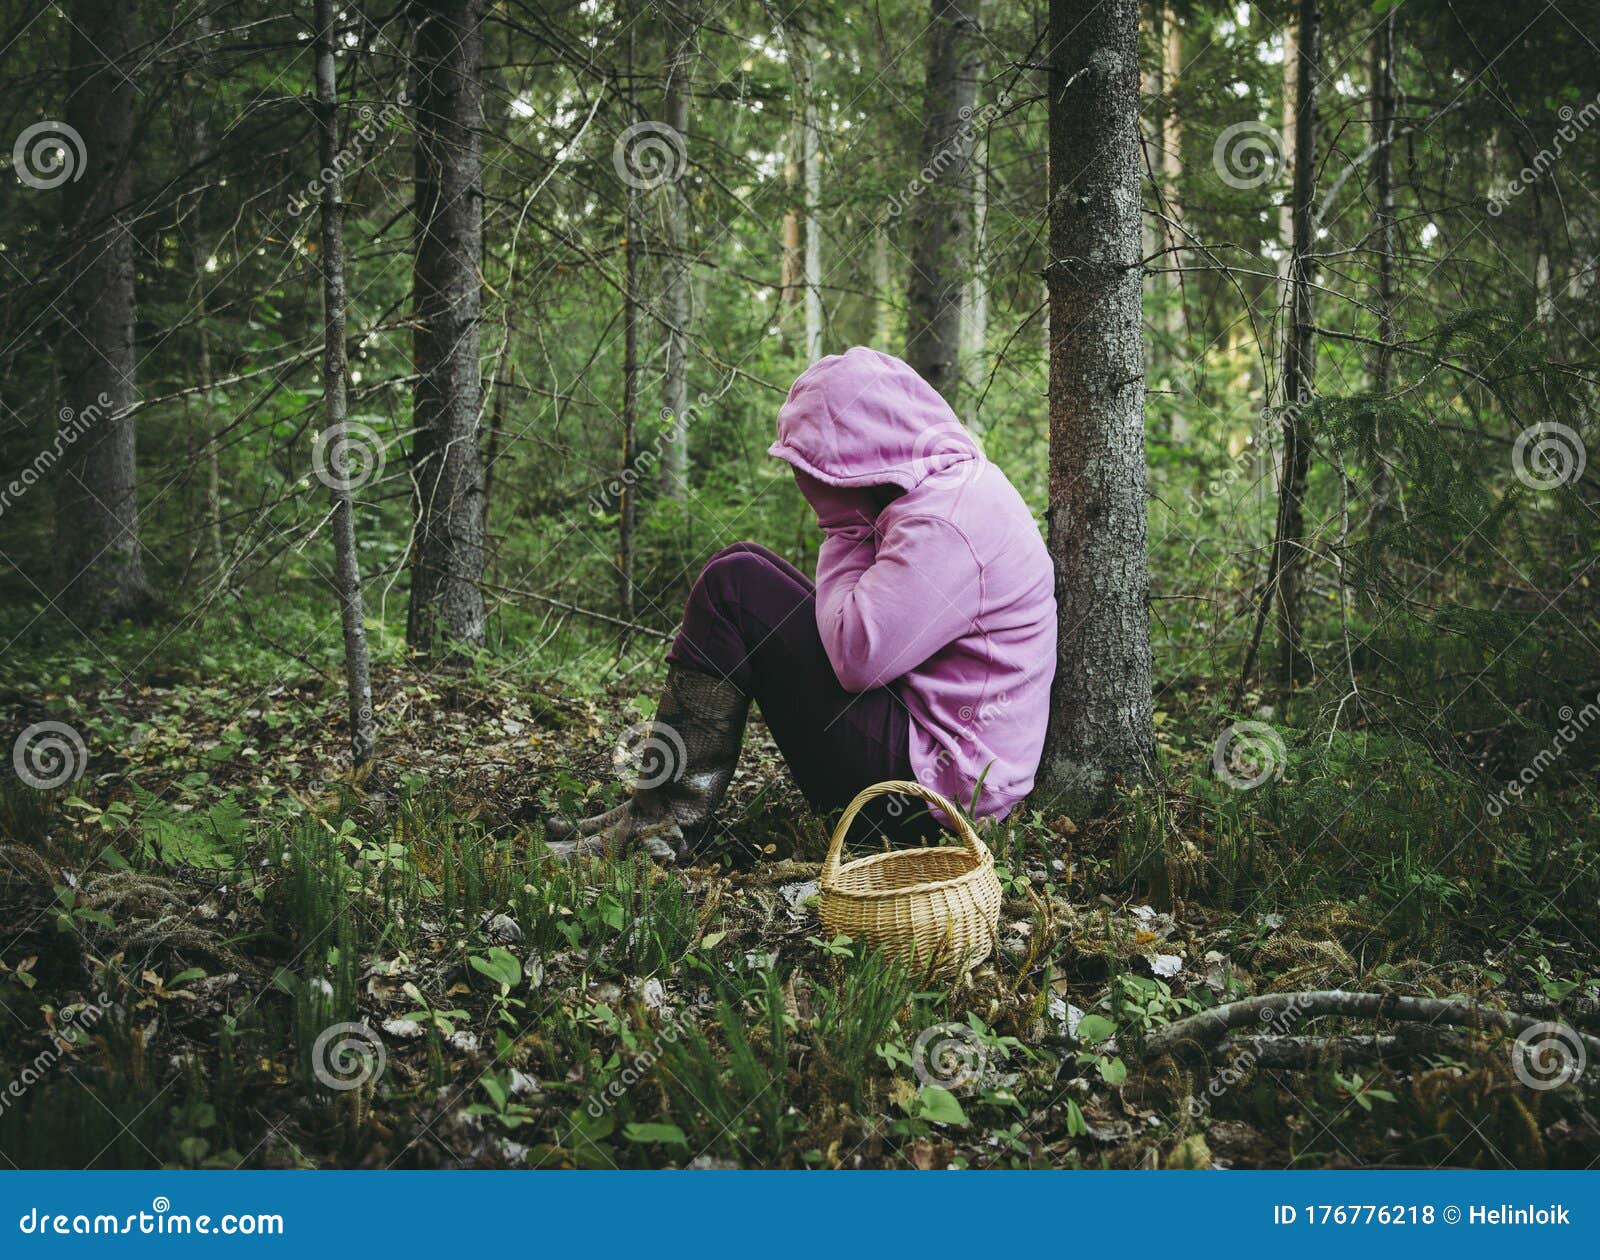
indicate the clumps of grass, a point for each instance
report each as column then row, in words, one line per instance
column 735, row 1102
column 26, row 814
column 628, row 917
column 856, row 1015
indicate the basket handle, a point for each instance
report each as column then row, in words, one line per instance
column 898, row 787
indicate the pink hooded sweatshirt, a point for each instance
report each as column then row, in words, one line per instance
column 948, row 588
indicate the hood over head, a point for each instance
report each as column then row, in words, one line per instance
column 864, row 418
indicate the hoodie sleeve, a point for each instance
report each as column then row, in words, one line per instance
column 836, row 507
column 883, row 611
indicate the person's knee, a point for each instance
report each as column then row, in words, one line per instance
column 745, row 548
column 732, row 572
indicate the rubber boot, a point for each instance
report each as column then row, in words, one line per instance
column 680, row 769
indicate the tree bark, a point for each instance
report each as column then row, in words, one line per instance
column 811, row 158
column 676, row 298
column 941, row 213
column 628, row 505
column 1299, row 358
column 447, row 468
column 335, row 403
column 205, row 561
column 1383, row 230
column 882, row 308
column 975, row 301
column 1101, row 731
column 1173, row 321
column 99, row 566
column 1383, row 122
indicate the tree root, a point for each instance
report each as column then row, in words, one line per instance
column 1204, row 1032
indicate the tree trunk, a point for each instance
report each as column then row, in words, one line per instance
column 1299, row 358
column 347, row 568
column 941, row 213
column 790, row 281
column 1101, row 731
column 975, row 304
column 1383, row 114
column 447, row 469
column 628, row 506
column 676, row 303
column 205, row 561
column 811, row 158
column 882, row 308
column 99, row 567
column 1383, row 229
column 1173, row 322
column 1291, row 79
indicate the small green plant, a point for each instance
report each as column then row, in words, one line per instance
column 504, row 970
column 70, row 916
column 440, row 1019
column 1360, row 1091
column 502, row 1104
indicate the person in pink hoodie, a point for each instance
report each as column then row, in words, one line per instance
column 925, row 649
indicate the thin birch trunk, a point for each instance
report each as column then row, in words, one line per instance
column 335, row 402
column 1383, row 231
column 1173, row 321
column 206, row 552
column 975, row 306
column 628, row 507
column 811, row 158
column 676, row 298
column 1299, row 360
column 882, row 308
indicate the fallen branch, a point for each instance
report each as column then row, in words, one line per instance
column 1307, row 1052
column 1208, row 1028
column 632, row 627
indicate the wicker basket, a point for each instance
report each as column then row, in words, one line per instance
column 935, row 908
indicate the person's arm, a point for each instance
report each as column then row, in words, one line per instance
column 883, row 611
column 838, row 507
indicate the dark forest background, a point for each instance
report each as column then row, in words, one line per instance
column 374, row 381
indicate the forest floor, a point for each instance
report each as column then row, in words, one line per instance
column 245, row 958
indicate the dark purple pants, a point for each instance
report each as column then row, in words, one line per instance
column 752, row 619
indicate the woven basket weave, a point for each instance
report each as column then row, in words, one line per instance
column 933, row 908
